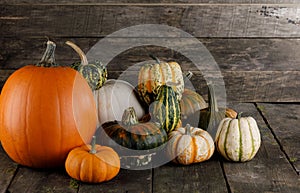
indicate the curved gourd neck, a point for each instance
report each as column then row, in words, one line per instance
column 81, row 54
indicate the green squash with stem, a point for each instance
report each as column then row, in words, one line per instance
column 94, row 73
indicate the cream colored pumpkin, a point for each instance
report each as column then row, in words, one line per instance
column 238, row 139
column 113, row 98
column 189, row 145
column 152, row 76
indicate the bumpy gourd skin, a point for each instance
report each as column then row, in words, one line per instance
column 94, row 73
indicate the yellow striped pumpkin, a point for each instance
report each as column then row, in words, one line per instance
column 238, row 139
column 152, row 76
column 189, row 145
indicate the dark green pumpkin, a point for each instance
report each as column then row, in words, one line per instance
column 211, row 116
column 131, row 134
column 166, row 108
column 95, row 73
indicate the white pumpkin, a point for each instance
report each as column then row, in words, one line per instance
column 238, row 139
column 113, row 98
column 189, row 145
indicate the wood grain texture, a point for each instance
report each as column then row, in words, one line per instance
column 8, row 168
column 269, row 171
column 254, row 70
column 42, row 181
column 200, row 20
column 149, row 1
column 125, row 181
column 284, row 120
column 229, row 54
column 202, row 177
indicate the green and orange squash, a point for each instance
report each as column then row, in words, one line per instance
column 166, row 108
column 95, row 72
column 132, row 134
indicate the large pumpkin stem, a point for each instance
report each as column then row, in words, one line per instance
column 93, row 144
column 129, row 117
column 212, row 101
column 48, row 59
column 81, row 54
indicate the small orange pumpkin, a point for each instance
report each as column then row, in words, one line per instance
column 93, row 163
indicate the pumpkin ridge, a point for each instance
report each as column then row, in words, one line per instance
column 61, row 142
column 194, row 152
column 241, row 140
column 173, row 151
column 29, row 85
column 225, row 141
column 252, row 140
column 82, row 167
column 208, row 145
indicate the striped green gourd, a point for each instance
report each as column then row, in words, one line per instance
column 131, row 134
column 94, row 73
column 238, row 139
column 166, row 108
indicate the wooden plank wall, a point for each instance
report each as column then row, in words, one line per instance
column 254, row 42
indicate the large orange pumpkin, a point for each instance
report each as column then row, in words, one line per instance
column 45, row 111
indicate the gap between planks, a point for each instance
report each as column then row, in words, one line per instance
column 276, row 138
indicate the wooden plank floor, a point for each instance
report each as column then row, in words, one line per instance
column 274, row 169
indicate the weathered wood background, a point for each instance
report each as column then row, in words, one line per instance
column 254, row 42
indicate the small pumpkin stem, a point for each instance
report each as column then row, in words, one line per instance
column 81, row 54
column 93, row 144
column 240, row 115
column 212, row 101
column 48, row 58
column 129, row 117
column 189, row 75
column 154, row 58
column 188, row 129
